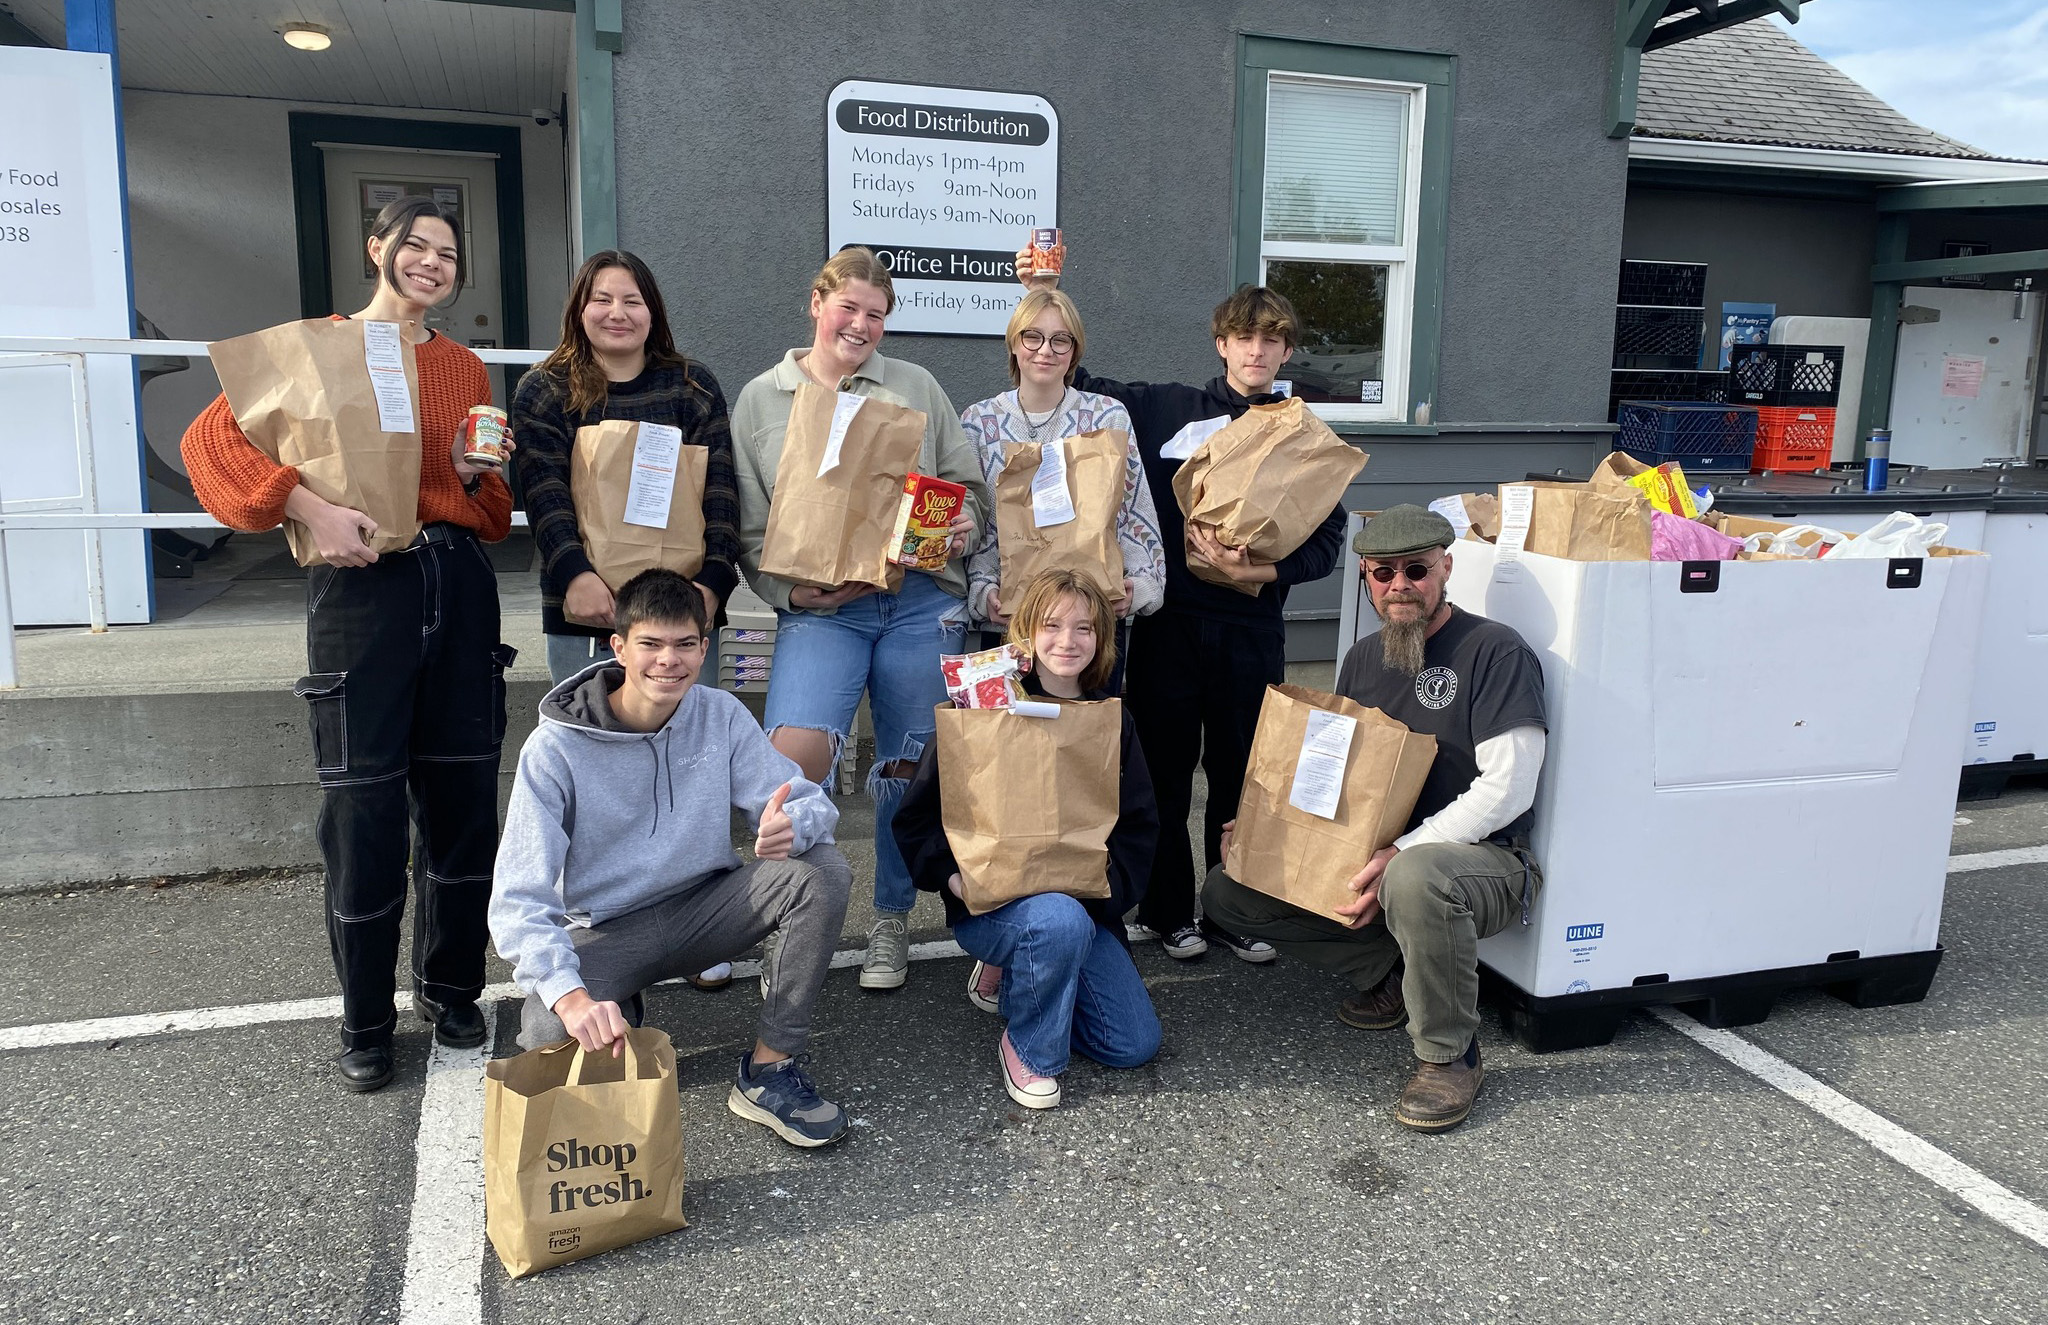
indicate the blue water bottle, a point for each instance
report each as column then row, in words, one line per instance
column 1877, row 460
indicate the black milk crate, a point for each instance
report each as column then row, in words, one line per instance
column 1697, row 435
column 1663, row 284
column 1690, row 384
column 1785, row 374
column 1665, row 332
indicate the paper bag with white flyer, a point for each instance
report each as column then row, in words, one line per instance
column 639, row 494
column 338, row 400
column 1329, row 783
column 1264, row 482
column 839, row 489
column 1031, row 537
column 1028, row 803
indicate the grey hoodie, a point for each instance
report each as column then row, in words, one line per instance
column 605, row 820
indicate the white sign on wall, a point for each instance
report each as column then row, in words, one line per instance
column 945, row 185
column 64, row 273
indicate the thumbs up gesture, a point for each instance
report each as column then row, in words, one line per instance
column 776, row 834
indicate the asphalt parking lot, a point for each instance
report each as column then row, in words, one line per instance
column 1879, row 1165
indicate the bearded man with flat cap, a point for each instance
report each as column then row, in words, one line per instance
column 1462, row 870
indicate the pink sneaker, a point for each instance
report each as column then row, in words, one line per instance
column 1025, row 1086
column 985, row 987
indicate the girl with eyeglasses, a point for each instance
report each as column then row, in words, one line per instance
column 1044, row 343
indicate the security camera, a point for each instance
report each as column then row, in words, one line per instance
column 541, row 117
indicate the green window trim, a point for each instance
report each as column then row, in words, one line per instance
column 1259, row 56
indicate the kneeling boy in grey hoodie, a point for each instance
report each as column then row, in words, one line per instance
column 616, row 868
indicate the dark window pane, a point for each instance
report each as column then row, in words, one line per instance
column 1343, row 309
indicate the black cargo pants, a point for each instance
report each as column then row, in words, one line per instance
column 407, row 699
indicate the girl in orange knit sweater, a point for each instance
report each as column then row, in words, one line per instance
column 407, row 689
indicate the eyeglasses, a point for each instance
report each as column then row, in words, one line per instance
column 1060, row 342
column 1415, row 572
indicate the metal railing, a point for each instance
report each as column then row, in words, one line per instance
column 36, row 514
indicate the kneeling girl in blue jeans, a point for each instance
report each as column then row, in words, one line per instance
column 1064, row 968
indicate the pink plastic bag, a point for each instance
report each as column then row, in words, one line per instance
column 1675, row 538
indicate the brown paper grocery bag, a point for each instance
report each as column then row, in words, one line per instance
column 1028, row 803
column 582, row 1152
column 600, row 471
column 301, row 393
column 1302, row 858
column 1086, row 544
column 837, row 528
column 1264, row 482
column 1580, row 522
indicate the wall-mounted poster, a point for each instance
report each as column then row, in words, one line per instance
column 1964, row 248
column 945, row 185
column 1744, row 324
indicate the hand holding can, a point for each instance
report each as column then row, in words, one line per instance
column 482, row 438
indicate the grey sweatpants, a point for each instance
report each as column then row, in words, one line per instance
column 804, row 897
column 1437, row 901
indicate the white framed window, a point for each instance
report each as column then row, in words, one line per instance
column 1338, row 235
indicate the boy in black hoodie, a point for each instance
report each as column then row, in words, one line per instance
column 1200, row 665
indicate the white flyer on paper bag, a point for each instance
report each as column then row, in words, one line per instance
column 1051, row 503
column 1319, row 773
column 385, row 359
column 1453, row 509
column 842, row 418
column 656, row 449
column 1517, row 504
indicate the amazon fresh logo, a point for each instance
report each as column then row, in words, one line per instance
column 1583, row 933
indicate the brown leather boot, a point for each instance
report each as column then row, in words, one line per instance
column 1440, row 1095
column 1380, row 1008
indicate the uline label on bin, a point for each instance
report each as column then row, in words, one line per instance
column 1582, row 933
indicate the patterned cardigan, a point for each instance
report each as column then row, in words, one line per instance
column 992, row 423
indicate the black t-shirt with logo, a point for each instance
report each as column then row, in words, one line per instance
column 1478, row 681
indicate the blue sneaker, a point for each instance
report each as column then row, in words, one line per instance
column 782, row 1099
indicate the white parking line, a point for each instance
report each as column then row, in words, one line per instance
column 443, row 1258
column 1939, row 1167
column 54, row 1034
column 1992, row 860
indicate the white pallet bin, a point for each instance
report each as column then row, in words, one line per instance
column 748, row 637
column 1746, row 789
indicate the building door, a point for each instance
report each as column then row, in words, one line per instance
column 361, row 181
column 1964, row 389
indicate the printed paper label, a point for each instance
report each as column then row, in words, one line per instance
column 1189, row 439
column 1319, row 773
column 383, row 355
column 842, row 418
column 1051, row 503
column 1453, row 509
column 1517, row 504
column 655, row 452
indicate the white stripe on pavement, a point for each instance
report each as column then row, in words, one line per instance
column 52, row 1034
column 1992, row 860
column 1939, row 1167
column 443, row 1259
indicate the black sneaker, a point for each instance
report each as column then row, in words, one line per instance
column 1248, row 950
column 1185, row 943
column 782, row 1099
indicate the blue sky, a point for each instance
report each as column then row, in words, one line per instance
column 1973, row 69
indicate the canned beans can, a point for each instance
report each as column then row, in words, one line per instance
column 483, row 436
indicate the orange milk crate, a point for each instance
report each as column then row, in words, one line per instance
column 1793, row 438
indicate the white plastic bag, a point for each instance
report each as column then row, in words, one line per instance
column 1785, row 542
column 1899, row 534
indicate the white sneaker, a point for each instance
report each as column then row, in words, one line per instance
column 1025, row 1086
column 1137, row 933
column 888, row 962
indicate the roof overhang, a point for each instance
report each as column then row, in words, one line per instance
column 1871, row 167
column 1641, row 25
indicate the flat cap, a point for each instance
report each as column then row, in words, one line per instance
column 1399, row 530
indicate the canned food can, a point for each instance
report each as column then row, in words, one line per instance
column 483, row 436
column 1048, row 254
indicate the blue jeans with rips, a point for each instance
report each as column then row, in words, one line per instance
column 887, row 645
column 1067, row 984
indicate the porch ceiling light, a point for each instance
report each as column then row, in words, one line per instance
column 307, row 37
